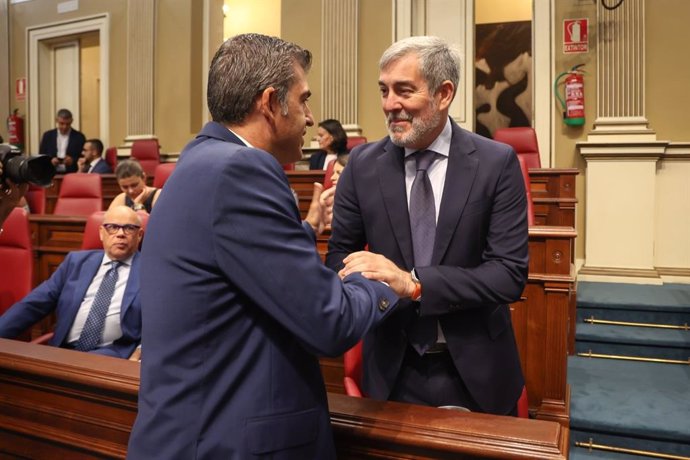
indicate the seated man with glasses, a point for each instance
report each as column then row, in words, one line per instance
column 95, row 294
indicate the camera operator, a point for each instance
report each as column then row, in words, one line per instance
column 17, row 171
column 10, row 196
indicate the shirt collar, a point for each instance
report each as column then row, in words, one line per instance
column 107, row 260
column 441, row 144
column 241, row 138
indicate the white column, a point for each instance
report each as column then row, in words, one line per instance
column 339, row 50
column 141, row 30
column 621, row 71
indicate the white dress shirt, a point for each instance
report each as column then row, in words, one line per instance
column 112, row 329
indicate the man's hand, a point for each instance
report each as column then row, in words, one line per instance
column 55, row 161
column 68, row 160
column 315, row 215
column 377, row 267
column 327, row 199
column 80, row 163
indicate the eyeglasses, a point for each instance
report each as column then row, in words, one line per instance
column 128, row 229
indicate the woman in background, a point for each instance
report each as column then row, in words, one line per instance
column 332, row 142
column 135, row 193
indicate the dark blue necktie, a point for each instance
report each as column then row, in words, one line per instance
column 91, row 335
column 422, row 333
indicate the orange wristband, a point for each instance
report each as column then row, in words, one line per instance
column 417, row 293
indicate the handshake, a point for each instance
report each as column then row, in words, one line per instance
column 372, row 266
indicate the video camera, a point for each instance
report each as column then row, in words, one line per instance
column 34, row 169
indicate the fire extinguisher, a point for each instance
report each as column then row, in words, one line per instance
column 15, row 130
column 574, row 104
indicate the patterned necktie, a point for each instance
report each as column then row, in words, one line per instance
column 93, row 327
column 423, row 332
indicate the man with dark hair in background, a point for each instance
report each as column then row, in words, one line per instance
column 237, row 304
column 92, row 160
column 63, row 143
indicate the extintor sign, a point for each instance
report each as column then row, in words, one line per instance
column 575, row 38
column 20, row 89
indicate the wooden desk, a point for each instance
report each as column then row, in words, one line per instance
column 553, row 196
column 541, row 319
column 57, row 403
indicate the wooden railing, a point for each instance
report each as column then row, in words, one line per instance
column 57, row 403
column 553, row 193
column 543, row 319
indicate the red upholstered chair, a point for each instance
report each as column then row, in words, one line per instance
column 525, row 177
column 92, row 239
column 289, row 167
column 354, row 141
column 111, row 157
column 327, row 182
column 352, row 365
column 524, row 142
column 80, row 195
column 161, row 174
column 147, row 152
column 36, row 198
column 16, row 259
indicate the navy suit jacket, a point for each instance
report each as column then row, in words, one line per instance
column 102, row 167
column 74, row 146
column 479, row 263
column 64, row 292
column 237, row 306
column 317, row 159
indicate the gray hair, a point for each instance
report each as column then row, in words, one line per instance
column 244, row 66
column 438, row 61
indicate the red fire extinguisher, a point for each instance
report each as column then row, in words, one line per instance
column 574, row 104
column 15, row 130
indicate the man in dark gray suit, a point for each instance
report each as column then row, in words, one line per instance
column 446, row 210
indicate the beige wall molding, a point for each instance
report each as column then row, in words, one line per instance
column 637, row 214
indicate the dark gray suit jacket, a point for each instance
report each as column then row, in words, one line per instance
column 479, row 264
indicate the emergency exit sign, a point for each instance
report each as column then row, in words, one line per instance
column 575, row 38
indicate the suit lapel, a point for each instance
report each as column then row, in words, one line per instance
column 132, row 287
column 85, row 275
column 460, row 175
column 391, row 168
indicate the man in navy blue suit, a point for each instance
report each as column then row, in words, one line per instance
column 237, row 304
column 454, row 344
column 91, row 160
column 63, row 143
column 70, row 292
